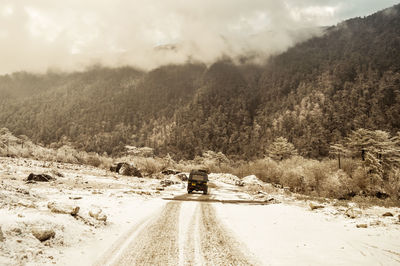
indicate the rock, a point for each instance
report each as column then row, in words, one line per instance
column 251, row 180
column 272, row 200
column 63, row 208
column 166, row 182
column 315, row 206
column 75, row 198
column 85, row 220
column 1, row 235
column 399, row 218
column 375, row 223
column 381, row 195
column 16, row 230
column 56, row 173
column 98, row 215
column 352, row 213
column 159, row 188
column 126, row 169
column 387, row 214
column 39, row 178
column 26, row 203
column 182, row 177
column 170, row 172
column 239, row 183
column 42, row 233
column 361, row 225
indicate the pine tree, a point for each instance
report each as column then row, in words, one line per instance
column 281, row 149
column 339, row 151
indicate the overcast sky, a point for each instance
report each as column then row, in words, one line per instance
column 66, row 35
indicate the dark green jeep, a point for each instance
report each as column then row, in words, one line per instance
column 198, row 181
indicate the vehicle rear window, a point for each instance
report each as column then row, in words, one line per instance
column 198, row 177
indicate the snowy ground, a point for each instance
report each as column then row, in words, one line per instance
column 148, row 224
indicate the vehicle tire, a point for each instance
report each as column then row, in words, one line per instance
column 189, row 191
column 205, row 191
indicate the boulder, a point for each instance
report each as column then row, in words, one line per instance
column 182, row 177
column 39, row 177
column 251, row 180
column 26, row 203
column 42, row 233
column 361, row 225
column 352, row 213
column 239, row 183
column 272, row 200
column 387, row 214
column 166, row 182
column 56, row 173
column 170, row 172
column 1, row 235
column 315, row 206
column 63, row 208
column 98, row 215
column 126, row 169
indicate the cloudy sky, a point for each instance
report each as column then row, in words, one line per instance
column 66, row 35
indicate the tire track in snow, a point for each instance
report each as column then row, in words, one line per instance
column 157, row 243
column 217, row 245
column 192, row 247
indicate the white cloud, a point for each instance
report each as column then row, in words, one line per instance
column 36, row 35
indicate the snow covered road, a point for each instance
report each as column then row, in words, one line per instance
column 211, row 229
column 182, row 233
column 151, row 224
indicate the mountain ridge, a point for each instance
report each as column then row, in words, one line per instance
column 314, row 94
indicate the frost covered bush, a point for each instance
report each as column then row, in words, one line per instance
column 66, row 154
column 315, row 173
column 149, row 165
column 266, row 170
column 393, row 185
column 349, row 166
column 337, row 185
column 215, row 162
column 294, row 179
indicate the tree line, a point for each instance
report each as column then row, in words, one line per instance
column 314, row 95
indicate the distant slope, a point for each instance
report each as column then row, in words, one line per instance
column 314, row 95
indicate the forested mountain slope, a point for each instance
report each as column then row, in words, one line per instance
column 314, row 95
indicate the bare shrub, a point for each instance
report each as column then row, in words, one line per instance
column 255, row 189
column 294, row 179
column 241, row 170
column 150, row 166
column 93, row 160
column 187, row 166
column 106, row 162
column 331, row 187
column 360, row 179
column 267, row 170
column 393, row 184
column 349, row 166
column 316, row 173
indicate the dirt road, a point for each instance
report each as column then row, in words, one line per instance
column 182, row 233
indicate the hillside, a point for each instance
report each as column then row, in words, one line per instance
column 314, row 95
